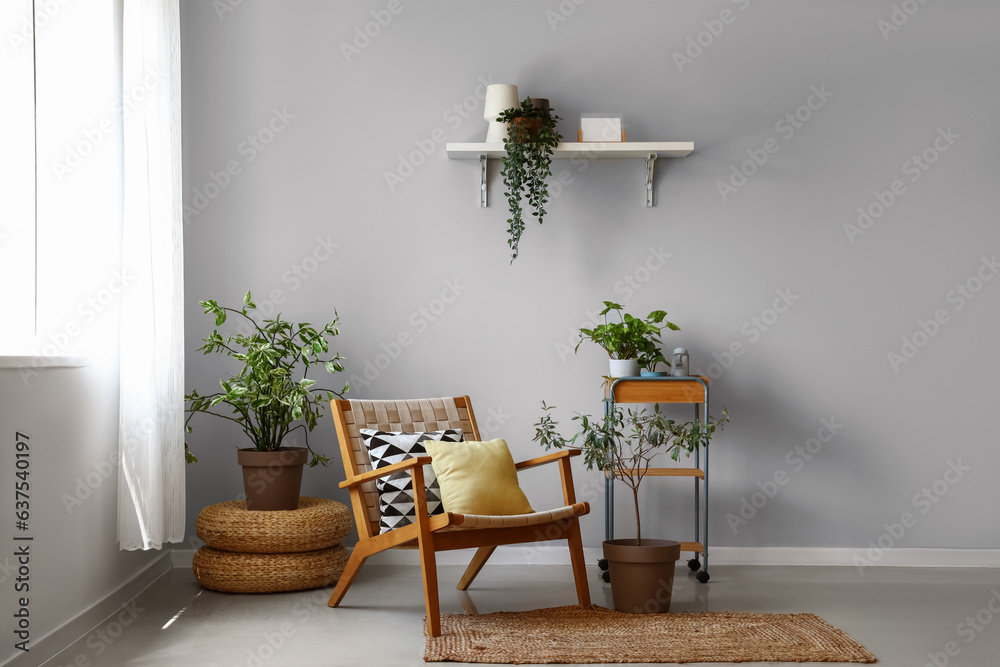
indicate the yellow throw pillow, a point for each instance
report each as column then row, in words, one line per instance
column 477, row 477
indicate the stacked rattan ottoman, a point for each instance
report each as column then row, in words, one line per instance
column 267, row 552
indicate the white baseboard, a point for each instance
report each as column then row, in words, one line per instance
column 783, row 556
column 853, row 557
column 80, row 625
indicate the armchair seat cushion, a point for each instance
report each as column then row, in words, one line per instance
column 465, row 521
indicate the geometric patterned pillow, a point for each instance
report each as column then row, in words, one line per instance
column 395, row 492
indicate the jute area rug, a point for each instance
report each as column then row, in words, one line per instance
column 595, row 635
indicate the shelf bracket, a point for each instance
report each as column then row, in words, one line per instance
column 483, row 191
column 650, row 161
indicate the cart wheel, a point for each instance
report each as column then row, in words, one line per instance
column 606, row 576
column 603, row 563
column 702, row 577
column 694, row 564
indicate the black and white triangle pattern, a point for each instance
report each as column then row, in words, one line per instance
column 395, row 492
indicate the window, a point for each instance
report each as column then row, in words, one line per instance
column 59, row 232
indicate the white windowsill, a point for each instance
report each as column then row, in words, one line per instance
column 42, row 362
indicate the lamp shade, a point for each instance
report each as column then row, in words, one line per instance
column 499, row 96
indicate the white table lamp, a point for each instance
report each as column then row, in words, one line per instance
column 499, row 96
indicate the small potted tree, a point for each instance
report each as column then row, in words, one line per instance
column 270, row 397
column 631, row 342
column 531, row 138
column 641, row 570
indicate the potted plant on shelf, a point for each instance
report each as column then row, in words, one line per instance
column 531, row 138
column 647, row 361
column 270, row 397
column 641, row 570
column 631, row 342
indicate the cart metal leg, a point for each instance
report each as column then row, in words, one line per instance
column 703, row 576
column 609, row 507
column 609, row 489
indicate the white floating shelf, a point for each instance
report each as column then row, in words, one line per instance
column 618, row 150
column 644, row 150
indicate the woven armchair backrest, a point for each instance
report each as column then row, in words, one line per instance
column 410, row 416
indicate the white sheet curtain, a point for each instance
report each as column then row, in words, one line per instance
column 151, row 432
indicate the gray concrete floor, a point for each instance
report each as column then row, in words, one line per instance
column 906, row 616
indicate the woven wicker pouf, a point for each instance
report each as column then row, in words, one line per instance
column 267, row 552
column 231, row 572
column 318, row 523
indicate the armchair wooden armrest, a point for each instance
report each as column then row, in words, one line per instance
column 388, row 470
column 565, row 472
column 548, row 458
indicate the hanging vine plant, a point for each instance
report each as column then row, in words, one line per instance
column 531, row 138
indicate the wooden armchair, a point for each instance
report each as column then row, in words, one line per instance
column 442, row 532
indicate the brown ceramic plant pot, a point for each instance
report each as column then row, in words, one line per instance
column 272, row 480
column 532, row 126
column 642, row 577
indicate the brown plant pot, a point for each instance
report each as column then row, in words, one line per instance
column 532, row 126
column 272, row 479
column 642, row 577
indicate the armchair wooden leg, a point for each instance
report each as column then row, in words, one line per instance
column 428, row 566
column 579, row 564
column 478, row 561
column 354, row 563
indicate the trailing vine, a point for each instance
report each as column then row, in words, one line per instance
column 531, row 138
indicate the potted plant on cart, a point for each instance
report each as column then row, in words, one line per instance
column 531, row 138
column 269, row 397
column 625, row 442
column 631, row 341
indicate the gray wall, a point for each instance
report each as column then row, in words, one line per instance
column 887, row 95
column 73, row 563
